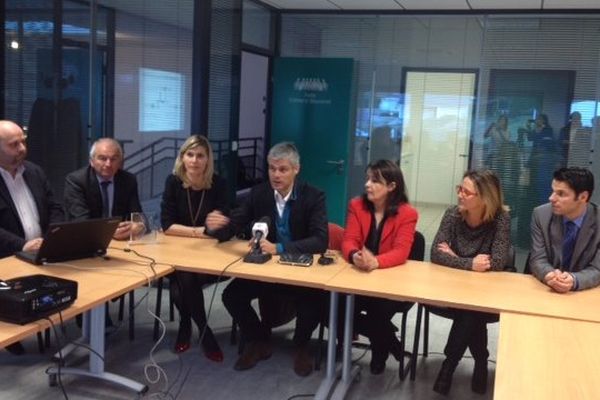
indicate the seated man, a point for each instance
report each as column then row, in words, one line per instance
column 565, row 234
column 27, row 203
column 103, row 189
column 298, row 225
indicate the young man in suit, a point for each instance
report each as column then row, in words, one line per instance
column 565, row 234
column 27, row 204
column 103, row 189
column 298, row 224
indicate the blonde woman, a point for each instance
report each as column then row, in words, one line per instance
column 191, row 192
column 473, row 235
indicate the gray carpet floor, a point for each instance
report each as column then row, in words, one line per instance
column 192, row 376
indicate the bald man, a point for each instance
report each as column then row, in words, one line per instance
column 27, row 204
column 86, row 188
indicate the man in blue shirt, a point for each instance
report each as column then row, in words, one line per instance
column 298, row 224
column 565, row 235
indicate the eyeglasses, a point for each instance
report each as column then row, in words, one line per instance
column 465, row 192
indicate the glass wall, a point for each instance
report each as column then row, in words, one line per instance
column 134, row 86
column 530, row 85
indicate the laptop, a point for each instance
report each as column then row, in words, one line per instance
column 72, row 240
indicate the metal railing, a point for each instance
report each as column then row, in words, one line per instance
column 149, row 163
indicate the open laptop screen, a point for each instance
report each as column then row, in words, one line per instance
column 66, row 241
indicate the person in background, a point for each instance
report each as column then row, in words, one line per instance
column 565, row 235
column 380, row 229
column 567, row 134
column 191, row 192
column 474, row 236
column 27, row 204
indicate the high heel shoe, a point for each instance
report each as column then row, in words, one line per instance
column 182, row 343
column 479, row 379
column 211, row 348
column 444, row 379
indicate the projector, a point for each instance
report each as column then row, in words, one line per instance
column 29, row 298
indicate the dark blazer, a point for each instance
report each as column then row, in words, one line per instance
column 308, row 217
column 83, row 199
column 546, row 246
column 396, row 238
column 174, row 207
column 11, row 230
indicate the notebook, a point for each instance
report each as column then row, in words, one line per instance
column 66, row 241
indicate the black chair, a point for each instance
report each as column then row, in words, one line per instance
column 417, row 253
column 441, row 312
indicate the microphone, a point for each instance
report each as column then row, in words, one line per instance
column 260, row 229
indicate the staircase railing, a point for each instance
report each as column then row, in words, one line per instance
column 148, row 162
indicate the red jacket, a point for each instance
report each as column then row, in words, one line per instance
column 396, row 239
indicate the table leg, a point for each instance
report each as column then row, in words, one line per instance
column 96, row 328
column 330, row 377
column 349, row 372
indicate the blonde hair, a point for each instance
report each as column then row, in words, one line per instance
column 489, row 190
column 179, row 168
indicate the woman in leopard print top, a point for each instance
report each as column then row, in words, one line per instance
column 474, row 235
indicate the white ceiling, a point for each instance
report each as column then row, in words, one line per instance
column 429, row 5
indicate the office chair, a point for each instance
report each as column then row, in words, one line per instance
column 442, row 312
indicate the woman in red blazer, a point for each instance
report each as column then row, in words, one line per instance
column 379, row 233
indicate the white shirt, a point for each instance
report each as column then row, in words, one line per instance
column 24, row 202
column 280, row 201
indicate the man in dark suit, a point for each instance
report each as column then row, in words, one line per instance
column 298, row 224
column 103, row 189
column 27, row 204
column 565, row 234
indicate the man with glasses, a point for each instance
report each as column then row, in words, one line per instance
column 565, row 234
column 103, row 189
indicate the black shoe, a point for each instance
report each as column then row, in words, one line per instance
column 16, row 349
column 479, row 379
column 377, row 365
column 444, row 379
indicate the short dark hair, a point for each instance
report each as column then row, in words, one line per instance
column 579, row 179
column 390, row 172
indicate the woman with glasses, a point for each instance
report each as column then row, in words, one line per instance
column 191, row 192
column 379, row 233
column 473, row 235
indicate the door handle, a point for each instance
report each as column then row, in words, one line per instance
column 339, row 164
column 463, row 155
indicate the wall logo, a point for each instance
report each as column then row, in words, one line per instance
column 311, row 84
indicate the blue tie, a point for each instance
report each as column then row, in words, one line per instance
column 105, row 202
column 569, row 244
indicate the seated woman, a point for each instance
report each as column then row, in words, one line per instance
column 475, row 235
column 380, row 230
column 191, row 192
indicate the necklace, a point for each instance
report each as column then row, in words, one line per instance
column 193, row 217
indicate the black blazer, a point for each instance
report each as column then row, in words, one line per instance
column 11, row 230
column 174, row 208
column 308, row 217
column 83, row 199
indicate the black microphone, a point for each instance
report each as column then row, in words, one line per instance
column 260, row 229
